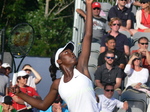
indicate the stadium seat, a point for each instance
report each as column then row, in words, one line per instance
column 92, row 69
column 135, row 100
column 137, row 35
column 105, row 7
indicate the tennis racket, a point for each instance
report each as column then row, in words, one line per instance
column 20, row 42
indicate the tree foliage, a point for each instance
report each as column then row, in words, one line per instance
column 52, row 21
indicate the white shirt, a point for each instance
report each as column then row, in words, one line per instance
column 78, row 93
column 136, row 76
column 108, row 105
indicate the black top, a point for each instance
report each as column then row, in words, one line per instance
column 124, row 14
column 108, row 76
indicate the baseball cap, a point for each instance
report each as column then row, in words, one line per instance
column 7, row 100
column 145, row 1
column 69, row 45
column 96, row 4
column 6, row 65
column 22, row 73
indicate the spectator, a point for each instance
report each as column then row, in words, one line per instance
column 4, row 82
column 6, row 104
column 143, row 18
column 108, row 73
column 123, row 13
column 130, row 3
column 19, row 104
column 122, row 43
column 107, row 103
column 75, row 86
column 99, row 26
column 137, row 75
column 32, row 81
column 7, row 67
column 143, row 50
column 120, row 60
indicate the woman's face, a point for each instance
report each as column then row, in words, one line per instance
column 137, row 61
column 67, row 58
column 115, row 26
column 144, row 5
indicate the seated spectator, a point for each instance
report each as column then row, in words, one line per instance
column 143, row 18
column 19, row 104
column 130, row 3
column 7, row 67
column 107, row 103
column 120, row 60
column 137, row 75
column 108, row 72
column 99, row 26
column 32, row 81
column 6, row 104
column 122, row 43
column 123, row 13
column 143, row 50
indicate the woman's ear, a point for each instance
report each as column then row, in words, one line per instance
column 59, row 61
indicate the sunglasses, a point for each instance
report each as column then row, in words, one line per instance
column 27, row 70
column 25, row 77
column 116, row 24
column 143, row 2
column 96, row 8
column 110, row 57
column 144, row 43
column 123, row 0
column 137, row 59
column 107, row 90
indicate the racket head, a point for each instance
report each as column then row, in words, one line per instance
column 21, row 40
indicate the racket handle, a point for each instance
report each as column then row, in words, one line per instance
column 14, row 79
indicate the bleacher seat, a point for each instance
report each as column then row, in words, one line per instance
column 105, row 7
column 135, row 99
column 137, row 35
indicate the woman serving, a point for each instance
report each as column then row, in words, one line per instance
column 75, row 87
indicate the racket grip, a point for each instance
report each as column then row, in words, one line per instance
column 14, row 79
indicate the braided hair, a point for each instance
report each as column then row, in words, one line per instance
column 53, row 69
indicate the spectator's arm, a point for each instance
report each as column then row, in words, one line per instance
column 118, row 83
column 148, row 57
column 99, row 84
column 81, row 12
column 137, row 3
column 18, row 100
column 125, row 105
column 102, row 49
column 38, row 77
column 128, row 26
column 126, row 50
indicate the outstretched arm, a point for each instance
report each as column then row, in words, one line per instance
column 86, row 45
column 38, row 103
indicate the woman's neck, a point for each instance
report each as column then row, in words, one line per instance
column 137, row 68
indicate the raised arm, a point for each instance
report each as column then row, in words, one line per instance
column 38, row 77
column 81, row 12
column 86, row 44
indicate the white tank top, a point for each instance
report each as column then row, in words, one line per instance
column 78, row 93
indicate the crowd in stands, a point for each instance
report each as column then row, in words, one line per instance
column 116, row 62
